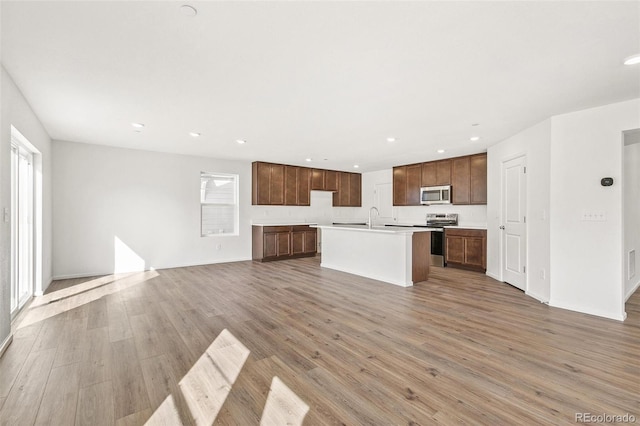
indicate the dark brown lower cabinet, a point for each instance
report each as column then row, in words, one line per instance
column 466, row 248
column 283, row 242
column 303, row 241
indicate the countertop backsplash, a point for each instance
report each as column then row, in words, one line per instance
column 322, row 212
column 475, row 216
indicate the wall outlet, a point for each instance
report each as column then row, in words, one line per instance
column 6, row 215
column 543, row 274
column 219, row 247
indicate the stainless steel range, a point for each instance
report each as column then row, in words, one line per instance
column 436, row 223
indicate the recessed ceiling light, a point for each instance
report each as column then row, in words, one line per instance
column 307, row 159
column 355, row 166
column 632, row 60
column 474, row 138
column 188, row 10
column 138, row 125
column 440, row 151
column 195, row 134
column 241, row 141
column 391, row 140
column 475, row 124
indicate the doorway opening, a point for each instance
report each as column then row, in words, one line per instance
column 23, row 231
column 631, row 211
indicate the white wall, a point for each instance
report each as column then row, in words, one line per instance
column 113, row 204
column 534, row 143
column 631, row 201
column 586, row 256
column 14, row 110
column 110, row 202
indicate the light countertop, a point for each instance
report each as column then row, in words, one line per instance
column 463, row 226
column 284, row 224
column 459, row 226
column 376, row 229
column 358, row 225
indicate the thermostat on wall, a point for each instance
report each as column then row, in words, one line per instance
column 607, row 181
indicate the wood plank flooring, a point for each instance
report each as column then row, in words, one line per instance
column 459, row 348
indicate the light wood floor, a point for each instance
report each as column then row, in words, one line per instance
column 460, row 348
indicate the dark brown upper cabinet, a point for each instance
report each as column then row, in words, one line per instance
column 341, row 198
column 267, row 183
column 278, row 184
column 297, row 186
column 469, row 179
column 460, row 180
column 436, row 173
column 406, row 185
column 290, row 186
column 478, row 172
column 324, row 180
column 466, row 175
column 414, row 177
column 317, row 179
column 400, row 186
column 355, row 190
column 349, row 192
column 330, row 180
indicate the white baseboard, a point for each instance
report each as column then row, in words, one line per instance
column 605, row 314
column 633, row 290
column 45, row 287
column 537, row 297
column 494, row 276
column 6, row 344
column 98, row 274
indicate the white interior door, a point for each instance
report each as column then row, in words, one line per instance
column 383, row 200
column 22, row 208
column 514, row 228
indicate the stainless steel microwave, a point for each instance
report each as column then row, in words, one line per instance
column 435, row 195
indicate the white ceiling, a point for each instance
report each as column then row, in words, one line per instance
column 316, row 79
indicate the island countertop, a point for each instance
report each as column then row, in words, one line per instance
column 393, row 229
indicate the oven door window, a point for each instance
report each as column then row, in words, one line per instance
column 437, row 243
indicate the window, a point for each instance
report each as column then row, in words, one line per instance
column 218, row 204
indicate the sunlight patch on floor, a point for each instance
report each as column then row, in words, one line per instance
column 207, row 384
column 283, row 406
column 66, row 299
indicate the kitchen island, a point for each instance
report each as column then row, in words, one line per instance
column 396, row 255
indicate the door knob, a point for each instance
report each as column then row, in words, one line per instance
column 502, row 227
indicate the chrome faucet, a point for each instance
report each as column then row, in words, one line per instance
column 370, row 211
